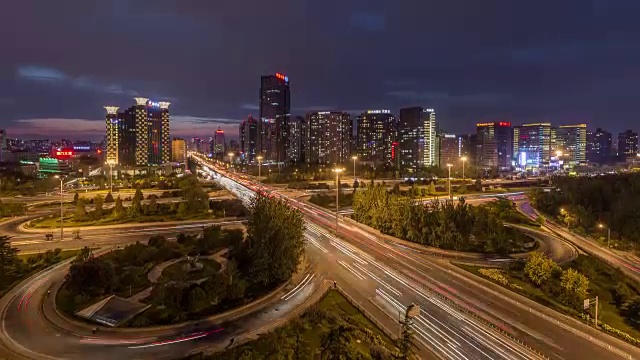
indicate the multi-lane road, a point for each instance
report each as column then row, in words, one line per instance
column 460, row 317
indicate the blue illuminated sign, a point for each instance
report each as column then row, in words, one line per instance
column 153, row 104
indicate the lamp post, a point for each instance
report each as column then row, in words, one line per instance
column 449, row 167
column 61, row 208
column 337, row 171
column 259, row 158
column 354, row 158
column 608, row 234
column 463, row 159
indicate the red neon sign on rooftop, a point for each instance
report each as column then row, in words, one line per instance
column 282, row 77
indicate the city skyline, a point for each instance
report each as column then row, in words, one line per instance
column 469, row 76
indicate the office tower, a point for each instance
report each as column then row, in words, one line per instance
column 532, row 147
column 628, row 144
column 448, row 150
column 598, row 146
column 249, row 136
column 217, row 149
column 467, row 145
column 196, row 145
column 376, row 135
column 178, row 150
column 328, row 137
column 494, row 145
column 273, row 142
column 417, row 138
column 112, row 137
column 571, row 141
column 297, row 136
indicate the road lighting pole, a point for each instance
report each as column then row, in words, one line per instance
column 61, row 208
column 449, row 167
column 337, row 171
column 608, row 234
column 259, row 158
column 354, row 158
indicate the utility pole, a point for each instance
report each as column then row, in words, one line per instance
column 61, row 208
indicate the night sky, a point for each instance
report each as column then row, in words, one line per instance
column 564, row 61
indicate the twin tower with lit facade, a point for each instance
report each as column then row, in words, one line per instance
column 139, row 135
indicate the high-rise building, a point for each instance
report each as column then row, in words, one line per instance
column 328, row 137
column 448, row 149
column 139, row 136
column 218, row 144
column 3, row 144
column 598, row 146
column 468, row 146
column 376, row 137
column 112, row 137
column 273, row 127
column 494, row 145
column 249, row 139
column 297, row 136
column 627, row 144
column 417, row 138
column 178, row 150
column 532, row 146
column 571, row 141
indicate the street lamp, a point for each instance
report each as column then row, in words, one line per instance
column 463, row 159
column 354, row 158
column 608, row 234
column 337, row 171
column 259, row 158
column 61, row 208
column 449, row 167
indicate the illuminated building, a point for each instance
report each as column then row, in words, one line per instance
column 297, row 139
column 328, row 137
column 50, row 165
column 417, row 138
column 467, row 145
column 3, row 144
column 494, row 145
column 112, row 137
column 217, row 144
column 376, row 135
column 448, row 149
column 273, row 127
column 532, row 146
column 598, row 146
column 178, row 150
column 248, row 139
column 571, row 140
column 139, row 135
column 628, row 144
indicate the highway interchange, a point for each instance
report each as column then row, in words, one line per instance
column 461, row 317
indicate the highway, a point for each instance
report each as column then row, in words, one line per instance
column 393, row 276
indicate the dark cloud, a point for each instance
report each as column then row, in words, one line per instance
column 522, row 61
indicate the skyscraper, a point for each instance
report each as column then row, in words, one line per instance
column 532, row 146
column 249, row 139
column 571, row 140
column 376, row 137
column 218, row 144
column 297, row 136
column 417, row 138
column 494, row 145
column 328, row 137
column 598, row 146
column 178, row 150
column 448, row 150
column 139, row 136
column 275, row 108
column 627, row 144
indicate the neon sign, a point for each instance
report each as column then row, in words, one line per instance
column 153, row 104
column 64, row 153
column 283, row 77
column 378, row 111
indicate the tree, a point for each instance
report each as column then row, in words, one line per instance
column 118, row 209
column 275, row 242
column 478, row 184
column 81, row 211
column 301, row 349
column 575, row 287
column 183, row 209
column 93, row 277
column 406, row 340
column 541, row 220
column 109, row 198
column 8, row 257
column 539, row 268
column 432, row 188
column 356, row 184
column 84, row 254
column 198, row 299
column 135, row 210
column 335, row 344
column 98, row 201
column 153, row 205
column 75, row 198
